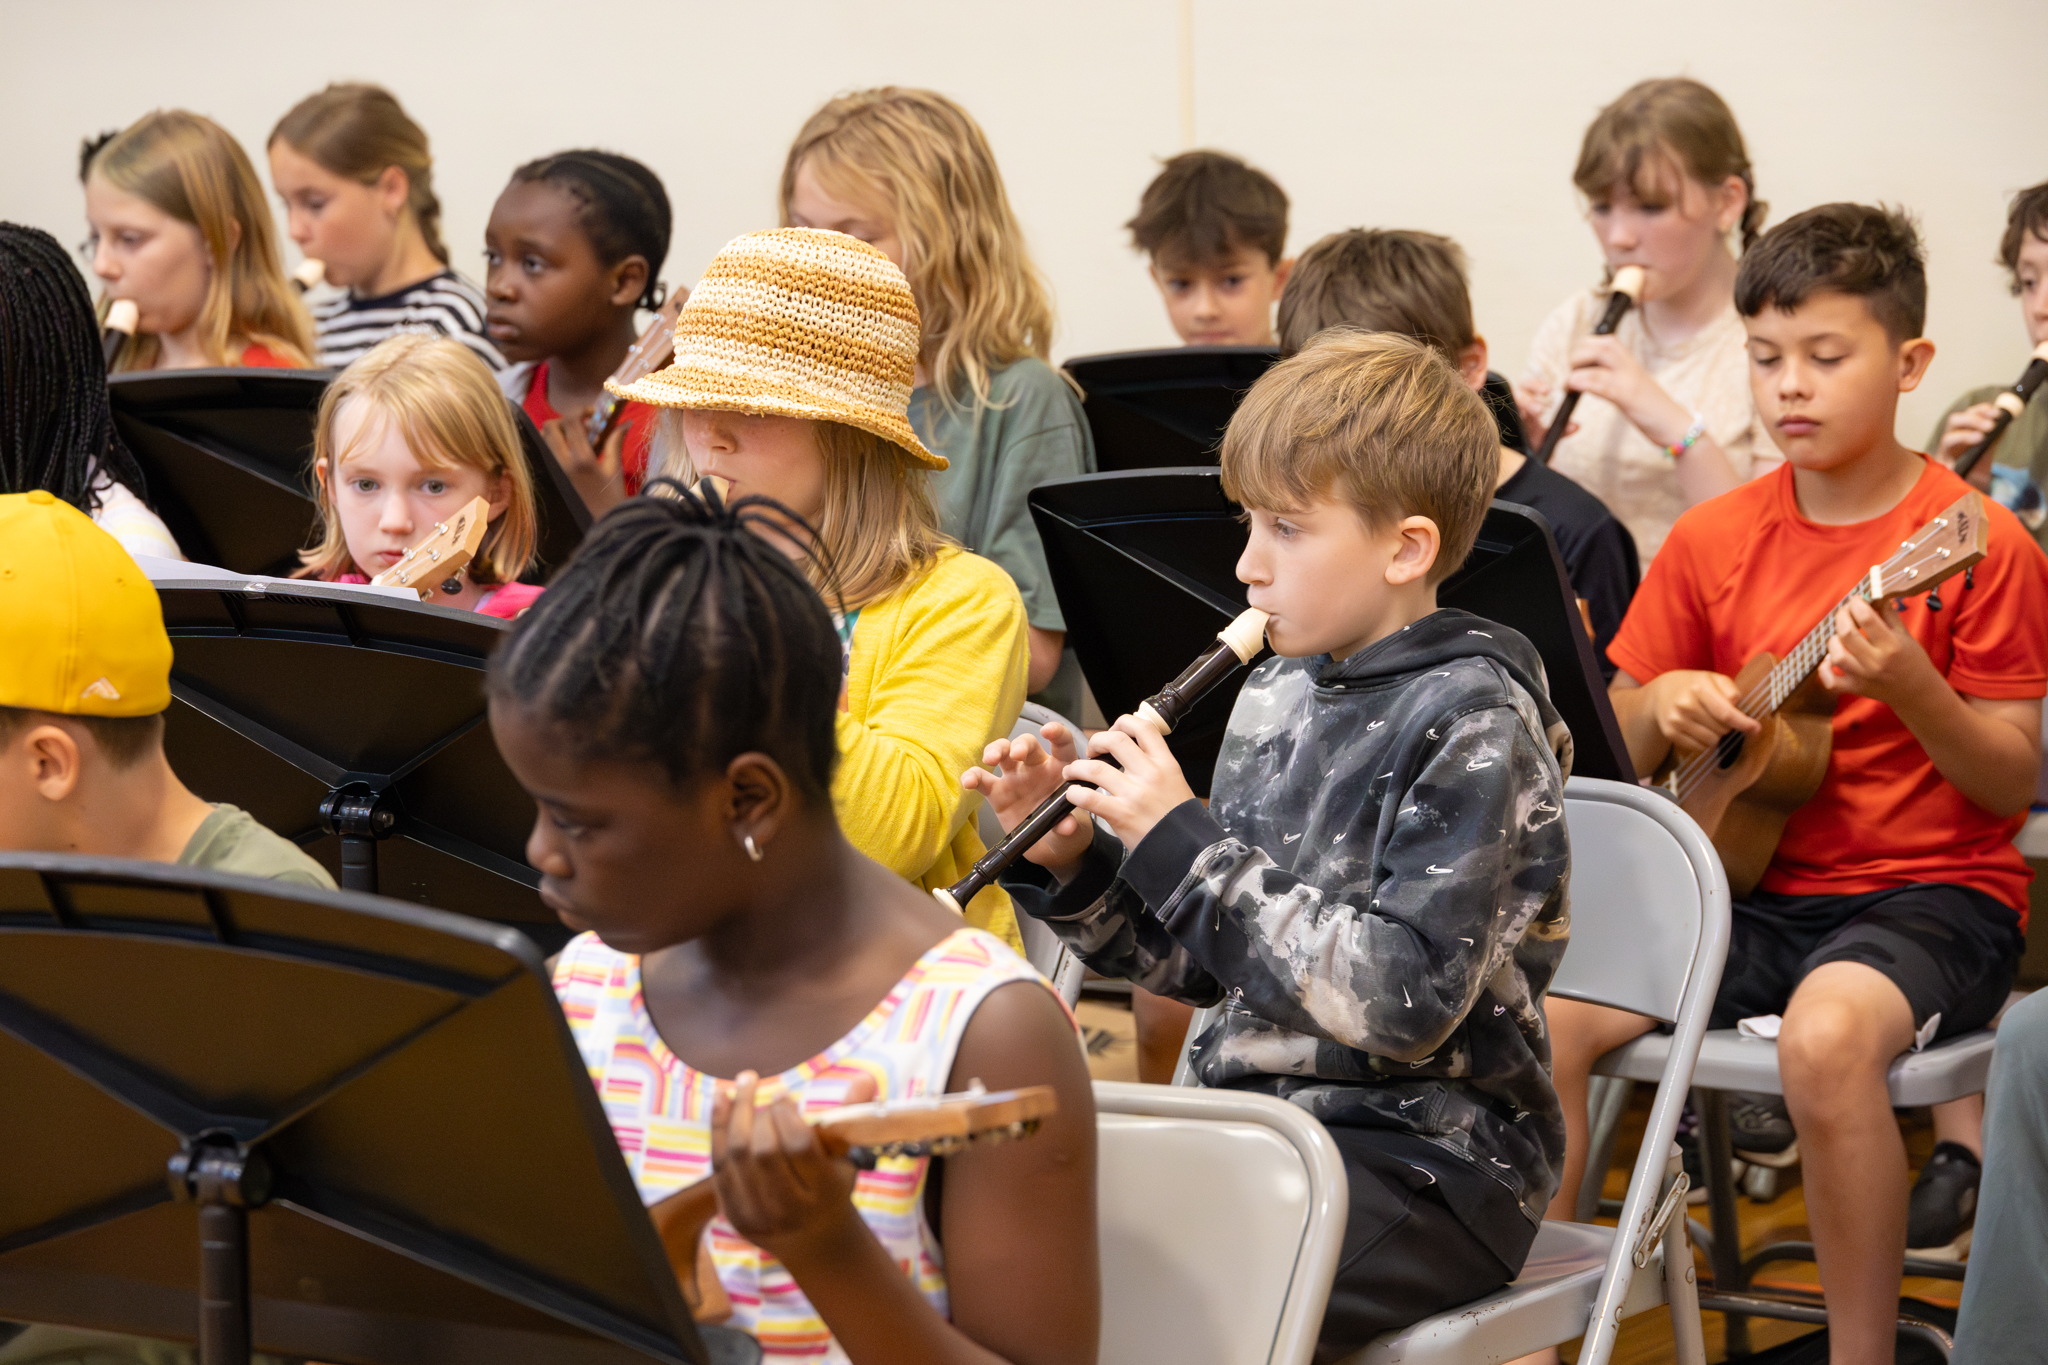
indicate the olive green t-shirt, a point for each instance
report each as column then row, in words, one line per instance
column 2023, row 446
column 230, row 840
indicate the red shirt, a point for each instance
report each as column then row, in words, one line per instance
column 505, row 601
column 257, row 356
column 1745, row 572
column 638, row 421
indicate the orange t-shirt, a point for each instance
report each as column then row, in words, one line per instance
column 1745, row 572
column 257, row 356
column 638, row 421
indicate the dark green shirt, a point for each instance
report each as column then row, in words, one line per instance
column 2023, row 446
column 230, row 840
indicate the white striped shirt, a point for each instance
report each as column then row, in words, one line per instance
column 445, row 305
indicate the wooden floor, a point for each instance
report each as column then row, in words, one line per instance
column 1646, row 1339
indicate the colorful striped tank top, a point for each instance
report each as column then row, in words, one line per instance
column 660, row 1111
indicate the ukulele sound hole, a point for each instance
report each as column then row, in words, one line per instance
column 1729, row 749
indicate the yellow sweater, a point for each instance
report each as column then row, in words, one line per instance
column 937, row 672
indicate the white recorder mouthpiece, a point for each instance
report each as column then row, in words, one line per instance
column 310, row 273
column 122, row 316
column 1629, row 280
column 1245, row 634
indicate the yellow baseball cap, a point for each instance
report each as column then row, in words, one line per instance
column 81, row 629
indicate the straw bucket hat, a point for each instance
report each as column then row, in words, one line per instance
column 797, row 322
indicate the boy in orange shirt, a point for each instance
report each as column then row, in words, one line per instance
column 1891, row 913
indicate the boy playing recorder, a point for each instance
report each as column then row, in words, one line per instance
column 1891, row 912
column 1378, row 889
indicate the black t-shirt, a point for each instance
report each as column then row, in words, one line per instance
column 1599, row 553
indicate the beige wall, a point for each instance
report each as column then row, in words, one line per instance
column 1458, row 118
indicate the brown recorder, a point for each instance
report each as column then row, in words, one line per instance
column 1627, row 289
column 1235, row 646
column 1744, row 789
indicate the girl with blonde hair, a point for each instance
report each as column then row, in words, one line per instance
column 911, row 173
column 1667, row 420
column 357, row 180
column 405, row 438
column 792, row 380
column 179, row 227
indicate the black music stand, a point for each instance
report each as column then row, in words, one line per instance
column 354, row 724
column 1144, row 563
column 226, row 452
column 1164, row 408
column 310, row 1123
column 1168, row 408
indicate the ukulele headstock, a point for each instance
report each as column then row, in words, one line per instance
column 1938, row 551
column 443, row 554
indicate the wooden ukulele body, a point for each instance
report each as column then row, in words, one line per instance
column 1743, row 806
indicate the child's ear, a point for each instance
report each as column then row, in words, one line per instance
column 1734, row 197
column 1416, row 555
column 394, row 189
column 1914, row 358
column 1472, row 364
column 1282, row 268
column 760, row 800
column 500, row 495
column 53, row 760
column 629, row 281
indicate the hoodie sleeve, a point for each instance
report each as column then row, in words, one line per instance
column 1475, row 852
column 1105, row 923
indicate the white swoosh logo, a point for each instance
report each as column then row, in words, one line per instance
column 1434, row 870
column 1476, row 764
column 1289, row 838
column 1375, row 725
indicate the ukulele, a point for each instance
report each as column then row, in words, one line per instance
column 445, row 552
column 1743, row 789
column 655, row 348
column 937, row 1125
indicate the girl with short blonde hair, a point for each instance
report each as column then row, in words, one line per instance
column 911, row 172
column 179, row 227
column 405, row 438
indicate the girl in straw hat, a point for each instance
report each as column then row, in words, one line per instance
column 792, row 377
column 911, row 172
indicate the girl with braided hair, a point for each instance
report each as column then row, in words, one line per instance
column 671, row 703
column 179, row 227
column 56, row 428
column 357, row 180
column 573, row 246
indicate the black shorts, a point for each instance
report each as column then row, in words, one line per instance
column 1951, row 951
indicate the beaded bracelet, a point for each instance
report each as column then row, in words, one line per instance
column 1692, row 434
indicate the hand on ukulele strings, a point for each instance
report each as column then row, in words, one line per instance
column 779, row 1185
column 597, row 474
column 1532, row 400
column 1135, row 798
column 1605, row 368
column 1694, row 708
column 1025, row 773
column 1960, row 434
column 1873, row 655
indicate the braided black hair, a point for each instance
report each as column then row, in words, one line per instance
column 679, row 634
column 625, row 210
column 56, row 424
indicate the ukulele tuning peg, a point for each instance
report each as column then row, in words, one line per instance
column 1970, row 577
column 1934, row 599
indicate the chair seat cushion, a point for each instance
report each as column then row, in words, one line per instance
column 1946, row 1071
column 1549, row 1302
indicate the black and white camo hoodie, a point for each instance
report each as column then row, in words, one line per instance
column 1377, row 893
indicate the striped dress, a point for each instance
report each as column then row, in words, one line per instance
column 660, row 1111
column 440, row 305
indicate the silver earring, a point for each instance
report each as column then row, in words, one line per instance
column 753, row 849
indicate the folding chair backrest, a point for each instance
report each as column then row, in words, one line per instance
column 1636, row 898
column 1220, row 1218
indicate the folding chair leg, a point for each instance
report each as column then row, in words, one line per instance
column 1717, row 1152
column 1681, row 1287
column 1606, row 1101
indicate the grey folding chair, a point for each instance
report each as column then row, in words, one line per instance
column 1042, row 947
column 1649, row 907
column 1727, row 1061
column 1186, row 1176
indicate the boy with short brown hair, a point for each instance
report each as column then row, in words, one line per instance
column 1378, row 888
column 1413, row 283
column 85, row 668
column 1890, row 914
column 1216, row 232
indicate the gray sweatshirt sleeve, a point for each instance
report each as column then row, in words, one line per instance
column 1473, row 853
